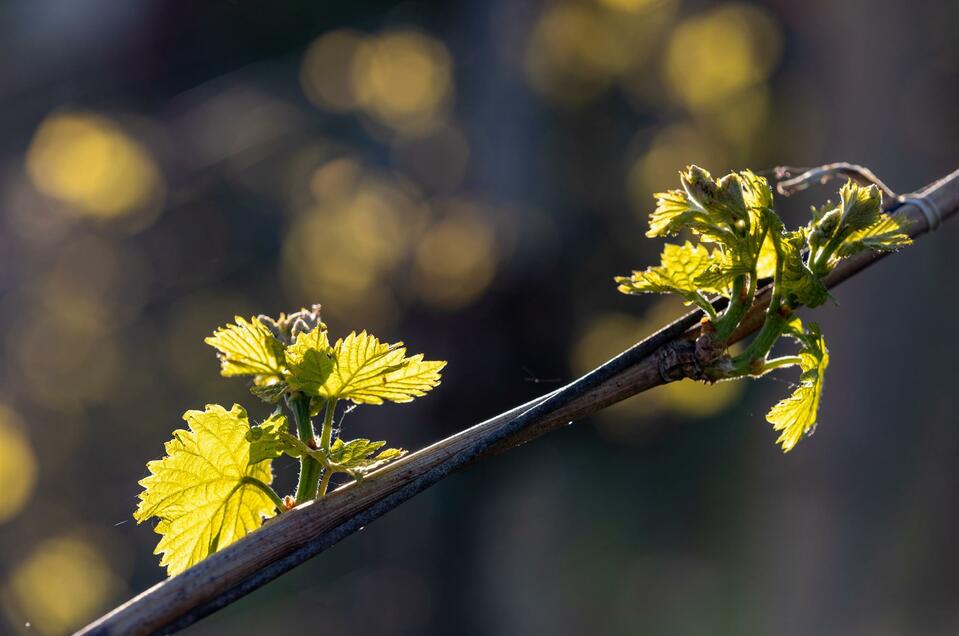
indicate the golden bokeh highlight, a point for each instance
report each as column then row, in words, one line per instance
column 629, row 6
column 455, row 260
column 403, row 78
column 60, row 585
column 66, row 366
column 740, row 122
column 335, row 180
column 344, row 249
column 92, row 284
column 326, row 72
column 68, row 354
column 712, row 57
column 370, row 239
column 612, row 333
column 576, row 50
column 18, row 465
column 90, row 163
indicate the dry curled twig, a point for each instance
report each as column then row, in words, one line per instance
column 789, row 183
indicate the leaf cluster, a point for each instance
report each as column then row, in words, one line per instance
column 214, row 484
column 738, row 240
column 285, row 357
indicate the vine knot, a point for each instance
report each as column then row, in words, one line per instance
column 687, row 359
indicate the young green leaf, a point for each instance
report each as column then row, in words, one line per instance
column 798, row 281
column 211, row 488
column 766, row 260
column 354, row 457
column 268, row 440
column 364, row 370
column 860, row 206
column 795, row 416
column 311, row 361
column 248, row 348
column 271, row 391
column 887, row 234
column 678, row 210
column 357, row 456
column 681, row 271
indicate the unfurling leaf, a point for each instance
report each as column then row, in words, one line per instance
column 740, row 243
column 311, row 361
column 795, row 416
column 860, row 206
column 269, row 439
column 248, row 348
column 798, row 281
column 211, row 488
column 887, row 234
column 673, row 210
column 678, row 210
column 357, row 456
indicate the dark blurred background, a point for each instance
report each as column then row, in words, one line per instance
column 468, row 177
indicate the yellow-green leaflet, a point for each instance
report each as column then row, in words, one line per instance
column 680, row 267
column 247, row 348
column 204, row 491
column 359, row 368
column 887, row 234
column 796, row 415
column 766, row 261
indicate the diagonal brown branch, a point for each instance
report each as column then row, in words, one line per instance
column 306, row 531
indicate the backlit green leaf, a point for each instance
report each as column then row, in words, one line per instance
column 766, row 261
column 368, row 371
column 311, row 361
column 357, row 456
column 887, row 234
column 204, row 491
column 247, row 348
column 268, row 439
column 359, row 368
column 681, row 271
column 798, row 281
column 796, row 415
column 860, row 206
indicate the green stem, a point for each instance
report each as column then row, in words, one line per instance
column 703, row 303
column 821, row 260
column 324, row 483
column 734, row 312
column 269, row 492
column 741, row 299
column 309, row 467
column 772, row 327
column 782, row 361
column 326, row 433
column 758, row 349
column 326, row 440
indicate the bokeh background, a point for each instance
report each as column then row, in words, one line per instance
column 468, row 177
